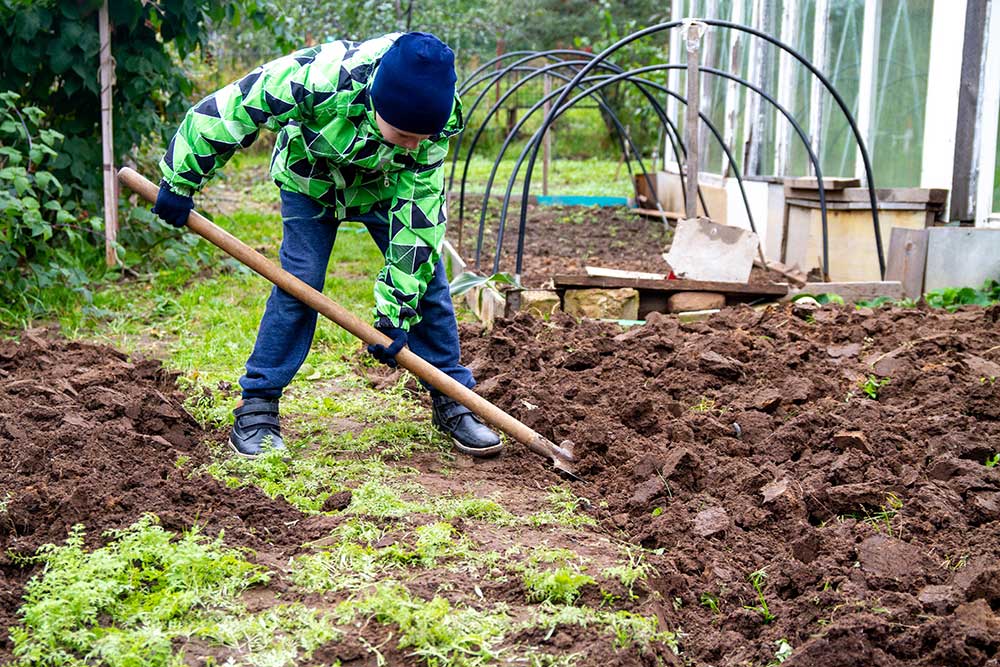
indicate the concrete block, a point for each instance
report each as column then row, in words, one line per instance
column 682, row 302
column 961, row 257
column 704, row 250
column 616, row 304
column 540, row 302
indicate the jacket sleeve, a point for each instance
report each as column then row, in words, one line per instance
column 417, row 220
column 289, row 88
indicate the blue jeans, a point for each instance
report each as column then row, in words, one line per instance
column 287, row 328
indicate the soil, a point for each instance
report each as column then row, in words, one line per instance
column 566, row 239
column 89, row 436
column 746, row 443
column 743, row 443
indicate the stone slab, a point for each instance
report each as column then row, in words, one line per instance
column 705, row 250
column 683, row 302
column 961, row 257
column 616, row 304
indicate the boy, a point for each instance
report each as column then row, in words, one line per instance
column 363, row 131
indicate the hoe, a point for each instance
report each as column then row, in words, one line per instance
column 561, row 455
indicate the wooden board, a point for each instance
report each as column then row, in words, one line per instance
column 564, row 281
column 857, row 290
column 828, row 183
column 934, row 196
column 907, row 260
column 619, row 273
column 860, row 205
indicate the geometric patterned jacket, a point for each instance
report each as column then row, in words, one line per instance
column 329, row 147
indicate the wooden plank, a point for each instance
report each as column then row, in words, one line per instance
column 618, row 273
column 857, row 290
column 907, row 260
column 858, row 205
column 573, row 281
column 653, row 213
column 795, row 276
column 810, row 183
column 895, row 195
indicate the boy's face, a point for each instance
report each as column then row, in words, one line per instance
column 398, row 137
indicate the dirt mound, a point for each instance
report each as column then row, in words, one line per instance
column 749, row 443
column 88, row 436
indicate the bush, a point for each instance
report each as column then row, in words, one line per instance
column 46, row 245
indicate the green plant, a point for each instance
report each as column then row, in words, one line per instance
column 710, row 601
column 952, row 298
column 634, row 570
column 872, row 385
column 129, row 601
column 44, row 244
column 992, row 461
column 433, row 630
column 757, row 579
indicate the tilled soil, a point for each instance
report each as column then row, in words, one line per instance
column 564, row 239
column 87, row 436
column 567, row 239
column 746, row 443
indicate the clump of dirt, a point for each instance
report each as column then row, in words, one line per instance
column 840, row 455
column 90, row 436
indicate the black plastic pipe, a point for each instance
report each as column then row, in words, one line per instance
column 733, row 26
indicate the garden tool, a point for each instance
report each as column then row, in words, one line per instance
column 561, row 455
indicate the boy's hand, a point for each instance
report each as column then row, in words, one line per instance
column 172, row 208
column 387, row 355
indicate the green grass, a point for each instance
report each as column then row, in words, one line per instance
column 592, row 177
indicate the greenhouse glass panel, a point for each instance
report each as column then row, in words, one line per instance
column 901, row 92
column 996, row 176
column 798, row 159
column 843, row 68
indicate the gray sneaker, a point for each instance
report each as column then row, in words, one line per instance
column 256, row 428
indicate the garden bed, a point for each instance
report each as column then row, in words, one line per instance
column 821, row 484
column 566, row 239
column 823, row 481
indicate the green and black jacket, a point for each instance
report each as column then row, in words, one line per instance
column 329, row 147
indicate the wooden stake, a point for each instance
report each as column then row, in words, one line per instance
column 693, row 32
column 107, row 139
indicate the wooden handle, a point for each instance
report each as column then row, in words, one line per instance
column 561, row 456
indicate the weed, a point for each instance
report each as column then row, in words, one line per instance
column 566, row 510
column 433, row 630
column 872, row 385
column 710, row 601
column 628, row 629
column 560, row 586
column 657, row 511
column 127, row 602
column 992, row 461
column 703, row 405
column 881, row 519
column 757, row 579
column 630, row 573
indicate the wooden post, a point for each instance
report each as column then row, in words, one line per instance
column 107, row 139
column 693, row 32
column 547, row 139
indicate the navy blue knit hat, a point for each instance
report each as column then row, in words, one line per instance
column 414, row 87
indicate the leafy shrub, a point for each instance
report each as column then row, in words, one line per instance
column 45, row 243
